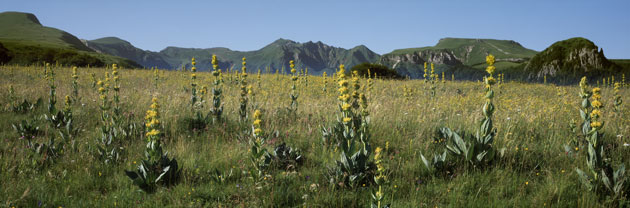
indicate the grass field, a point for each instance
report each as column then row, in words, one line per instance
column 532, row 122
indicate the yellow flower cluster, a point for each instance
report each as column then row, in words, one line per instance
column 490, row 59
column 379, row 163
column 425, row 71
column 67, row 104
column 355, row 85
column 596, row 93
column 490, row 69
column 369, row 81
column 596, row 113
column 597, row 106
column 74, row 73
column 244, row 69
column 153, row 120
column 243, row 80
column 344, row 97
column 193, row 63
column 203, row 91
column 215, row 66
column 116, row 82
column 75, row 83
column 193, row 69
column 257, row 123
column 102, row 91
column 293, row 71
column 107, row 79
column 258, row 78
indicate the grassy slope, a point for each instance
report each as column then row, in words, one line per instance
column 26, row 29
column 27, row 39
column 535, row 171
column 623, row 63
column 121, row 48
column 499, row 48
column 472, row 62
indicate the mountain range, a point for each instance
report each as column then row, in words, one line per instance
column 316, row 56
column 23, row 40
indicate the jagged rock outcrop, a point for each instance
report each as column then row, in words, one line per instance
column 575, row 56
column 419, row 57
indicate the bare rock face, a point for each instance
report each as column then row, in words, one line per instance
column 550, row 68
column 420, row 57
column 587, row 58
column 440, row 57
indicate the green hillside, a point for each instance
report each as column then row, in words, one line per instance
column 570, row 59
column 25, row 28
column 473, row 51
column 118, row 47
column 462, row 57
column 623, row 63
column 27, row 42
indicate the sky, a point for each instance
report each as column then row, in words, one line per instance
column 382, row 26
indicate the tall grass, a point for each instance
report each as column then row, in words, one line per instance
column 532, row 122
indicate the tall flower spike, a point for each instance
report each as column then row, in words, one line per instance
column 243, row 100
column 193, row 85
column 152, row 121
column 488, row 107
column 75, row 83
column 257, row 123
column 244, row 69
column 294, row 96
column 217, row 109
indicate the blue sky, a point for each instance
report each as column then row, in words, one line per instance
column 380, row 25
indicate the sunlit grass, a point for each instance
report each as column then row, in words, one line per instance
column 532, row 122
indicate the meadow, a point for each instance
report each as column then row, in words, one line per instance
column 538, row 141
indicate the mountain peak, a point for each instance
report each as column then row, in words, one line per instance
column 18, row 18
column 282, row 41
column 362, row 47
column 110, row 40
column 450, row 42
